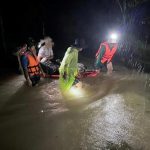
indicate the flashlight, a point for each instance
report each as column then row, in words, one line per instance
column 39, row 45
column 76, row 91
column 114, row 36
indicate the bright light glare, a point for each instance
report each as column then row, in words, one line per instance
column 39, row 45
column 76, row 92
column 114, row 36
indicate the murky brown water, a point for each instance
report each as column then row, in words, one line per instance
column 114, row 114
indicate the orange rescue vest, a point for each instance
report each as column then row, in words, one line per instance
column 33, row 66
column 109, row 53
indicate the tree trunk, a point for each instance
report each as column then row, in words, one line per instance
column 122, row 12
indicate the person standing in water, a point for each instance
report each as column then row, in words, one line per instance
column 105, row 54
column 69, row 67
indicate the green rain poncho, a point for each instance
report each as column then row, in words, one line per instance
column 68, row 66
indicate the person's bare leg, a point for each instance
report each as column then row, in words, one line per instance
column 109, row 68
column 98, row 72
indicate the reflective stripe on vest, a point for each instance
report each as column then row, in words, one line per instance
column 33, row 66
column 109, row 53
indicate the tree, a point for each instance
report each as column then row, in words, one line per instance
column 125, row 6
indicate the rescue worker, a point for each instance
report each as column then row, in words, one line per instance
column 20, row 52
column 105, row 54
column 45, row 56
column 69, row 67
column 30, row 64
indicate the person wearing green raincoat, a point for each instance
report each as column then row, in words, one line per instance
column 68, row 69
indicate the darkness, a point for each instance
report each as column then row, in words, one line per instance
column 62, row 20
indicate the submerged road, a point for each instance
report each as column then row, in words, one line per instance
column 113, row 114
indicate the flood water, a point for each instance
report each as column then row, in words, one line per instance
column 112, row 114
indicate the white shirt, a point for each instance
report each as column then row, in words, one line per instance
column 45, row 53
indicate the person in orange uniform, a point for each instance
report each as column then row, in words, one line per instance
column 30, row 64
column 105, row 54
